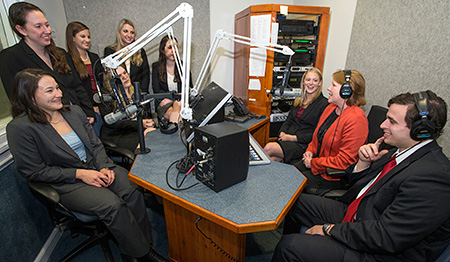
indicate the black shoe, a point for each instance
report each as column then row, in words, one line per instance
column 152, row 256
column 170, row 128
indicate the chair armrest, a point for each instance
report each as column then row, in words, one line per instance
column 45, row 189
column 335, row 172
column 121, row 152
column 108, row 144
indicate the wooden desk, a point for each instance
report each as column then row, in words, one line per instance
column 259, row 128
column 257, row 204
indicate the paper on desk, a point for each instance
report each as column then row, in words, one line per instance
column 254, row 84
column 257, row 63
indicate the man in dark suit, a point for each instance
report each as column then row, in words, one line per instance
column 396, row 209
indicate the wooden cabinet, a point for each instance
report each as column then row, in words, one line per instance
column 257, row 100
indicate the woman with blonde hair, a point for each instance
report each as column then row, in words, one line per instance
column 137, row 65
column 296, row 132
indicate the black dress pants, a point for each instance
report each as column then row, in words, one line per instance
column 122, row 209
column 310, row 210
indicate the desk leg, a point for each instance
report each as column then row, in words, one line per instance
column 187, row 244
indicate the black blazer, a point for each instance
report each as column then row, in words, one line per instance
column 21, row 56
column 140, row 73
column 161, row 87
column 405, row 215
column 304, row 127
column 97, row 70
column 41, row 154
column 123, row 133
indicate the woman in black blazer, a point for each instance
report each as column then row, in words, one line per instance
column 87, row 64
column 36, row 49
column 296, row 132
column 164, row 71
column 165, row 79
column 55, row 144
column 125, row 132
column 137, row 65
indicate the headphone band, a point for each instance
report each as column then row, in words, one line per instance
column 348, row 75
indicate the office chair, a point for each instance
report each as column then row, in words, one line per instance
column 77, row 223
column 121, row 156
column 376, row 116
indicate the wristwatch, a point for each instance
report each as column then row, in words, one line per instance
column 326, row 228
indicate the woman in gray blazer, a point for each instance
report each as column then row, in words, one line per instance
column 55, row 144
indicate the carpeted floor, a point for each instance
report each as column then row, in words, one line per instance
column 26, row 225
column 259, row 246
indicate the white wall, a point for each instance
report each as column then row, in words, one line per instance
column 54, row 12
column 222, row 17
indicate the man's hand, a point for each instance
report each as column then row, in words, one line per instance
column 92, row 177
column 369, row 153
column 317, row 230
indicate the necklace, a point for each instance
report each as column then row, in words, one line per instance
column 56, row 122
column 84, row 59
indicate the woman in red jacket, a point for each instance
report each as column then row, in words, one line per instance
column 342, row 129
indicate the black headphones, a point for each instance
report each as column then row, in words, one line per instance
column 422, row 128
column 346, row 90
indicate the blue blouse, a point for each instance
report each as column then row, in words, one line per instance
column 76, row 144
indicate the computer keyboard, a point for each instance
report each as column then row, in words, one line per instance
column 257, row 155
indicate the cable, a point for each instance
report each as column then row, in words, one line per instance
column 214, row 243
column 178, row 174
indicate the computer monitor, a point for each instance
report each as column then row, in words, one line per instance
column 208, row 107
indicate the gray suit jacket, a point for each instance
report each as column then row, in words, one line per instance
column 41, row 154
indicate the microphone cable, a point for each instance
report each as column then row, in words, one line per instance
column 178, row 185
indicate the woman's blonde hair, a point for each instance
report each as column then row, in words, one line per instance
column 136, row 59
column 299, row 100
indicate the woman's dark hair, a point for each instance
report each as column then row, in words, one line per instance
column 163, row 62
column 17, row 16
column 25, row 86
column 72, row 29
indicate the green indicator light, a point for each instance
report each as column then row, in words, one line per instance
column 302, row 41
column 301, row 50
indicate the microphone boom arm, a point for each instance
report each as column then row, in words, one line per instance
column 221, row 34
column 185, row 11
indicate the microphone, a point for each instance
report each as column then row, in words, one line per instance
column 286, row 73
column 112, row 118
column 106, row 98
column 290, row 92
